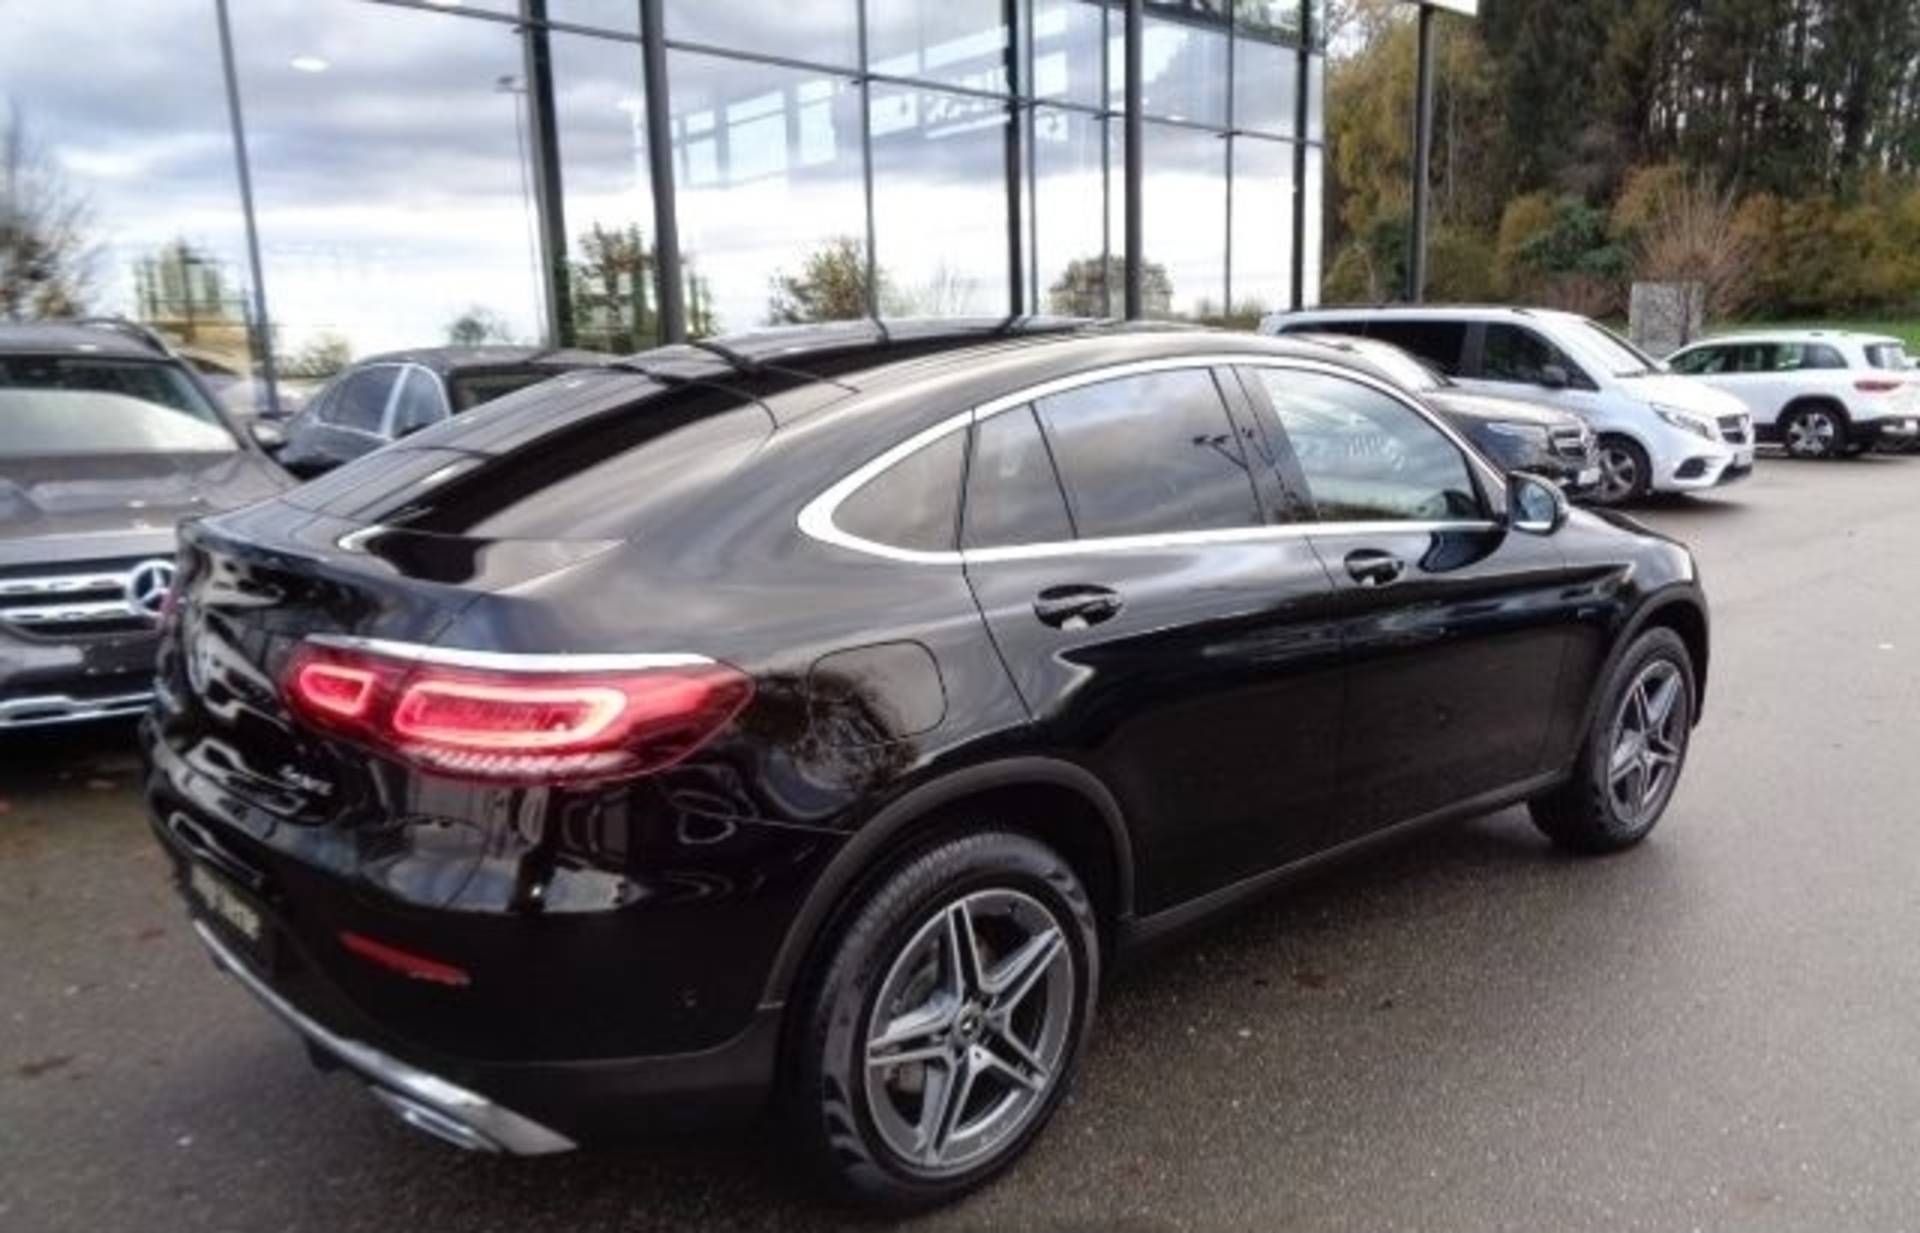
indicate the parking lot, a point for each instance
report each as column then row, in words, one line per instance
column 1719, row 1029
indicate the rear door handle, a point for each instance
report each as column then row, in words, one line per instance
column 1076, row 606
column 1372, row 568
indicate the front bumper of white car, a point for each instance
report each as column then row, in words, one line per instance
column 1686, row 461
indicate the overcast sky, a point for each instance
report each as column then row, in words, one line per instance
column 391, row 195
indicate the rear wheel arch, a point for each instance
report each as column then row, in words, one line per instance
column 1053, row 801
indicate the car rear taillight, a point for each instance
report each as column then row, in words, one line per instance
column 1878, row 385
column 543, row 726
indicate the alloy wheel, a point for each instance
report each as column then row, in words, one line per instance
column 1619, row 474
column 970, row 1030
column 1649, row 738
column 1812, row 434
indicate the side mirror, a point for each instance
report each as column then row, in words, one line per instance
column 1555, row 377
column 1535, row 506
column 267, row 435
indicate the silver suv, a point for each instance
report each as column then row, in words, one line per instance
column 1658, row 432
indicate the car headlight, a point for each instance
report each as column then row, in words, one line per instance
column 1532, row 434
column 1686, row 421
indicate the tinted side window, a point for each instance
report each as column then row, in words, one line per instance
column 1149, row 454
column 1705, row 360
column 1819, row 355
column 361, row 401
column 1367, row 457
column 1887, row 355
column 915, row 503
column 1516, row 354
column 1355, row 326
column 1439, row 343
column 1013, row 495
column 420, row 404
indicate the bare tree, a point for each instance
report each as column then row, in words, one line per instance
column 1685, row 232
column 47, row 263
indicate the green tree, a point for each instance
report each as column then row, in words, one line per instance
column 1095, row 287
column 477, row 326
column 831, row 286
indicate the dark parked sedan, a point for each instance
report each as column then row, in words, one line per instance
column 810, row 720
column 386, row 397
column 1517, row 435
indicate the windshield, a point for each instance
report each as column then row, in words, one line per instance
column 1623, row 359
column 62, row 405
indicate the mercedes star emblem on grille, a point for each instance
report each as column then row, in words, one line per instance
column 147, row 587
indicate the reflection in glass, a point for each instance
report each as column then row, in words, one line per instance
column 954, row 42
column 823, row 31
column 940, row 202
column 1317, row 98
column 1183, row 68
column 1184, row 199
column 600, row 113
column 1071, row 270
column 771, row 201
column 137, row 156
column 1266, row 77
column 619, row 16
column 1262, row 228
column 1068, row 42
column 394, row 203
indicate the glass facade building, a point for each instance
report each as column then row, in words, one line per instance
column 307, row 181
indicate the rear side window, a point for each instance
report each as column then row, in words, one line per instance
column 1367, row 457
column 915, row 503
column 419, row 405
column 1013, row 494
column 1819, row 355
column 361, row 401
column 1439, row 343
column 1150, row 454
column 1516, row 354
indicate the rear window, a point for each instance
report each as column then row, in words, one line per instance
column 1888, row 355
column 913, row 504
column 580, row 464
column 470, row 389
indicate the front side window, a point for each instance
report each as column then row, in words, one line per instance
column 1149, row 454
column 1013, row 494
column 1513, row 353
column 473, row 387
column 360, row 403
column 1439, row 343
column 1703, row 361
column 915, row 503
column 1368, row 457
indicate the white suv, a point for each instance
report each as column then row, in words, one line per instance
column 1658, row 432
column 1821, row 393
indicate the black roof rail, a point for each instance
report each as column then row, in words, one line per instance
column 141, row 334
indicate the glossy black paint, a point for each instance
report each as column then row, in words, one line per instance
column 1246, row 706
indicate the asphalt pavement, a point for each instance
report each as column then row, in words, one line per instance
column 1717, row 1030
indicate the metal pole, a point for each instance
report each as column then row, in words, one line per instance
column 1422, row 156
column 1135, row 132
column 866, row 167
column 264, row 322
column 543, row 141
column 1017, row 112
column 1302, row 101
column 671, row 293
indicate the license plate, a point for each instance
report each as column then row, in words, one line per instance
column 230, row 910
column 1588, row 477
column 1743, row 458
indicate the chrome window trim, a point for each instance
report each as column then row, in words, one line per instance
column 386, row 408
column 509, row 661
column 387, row 417
column 816, row 518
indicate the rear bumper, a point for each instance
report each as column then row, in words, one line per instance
column 420, row 1098
column 1892, row 430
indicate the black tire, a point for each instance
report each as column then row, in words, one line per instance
column 1626, row 474
column 1594, row 811
column 1814, row 430
column 829, row 1100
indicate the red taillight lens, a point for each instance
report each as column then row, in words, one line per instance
column 542, row 726
column 1877, row 385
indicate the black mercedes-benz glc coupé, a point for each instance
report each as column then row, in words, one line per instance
column 807, row 721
